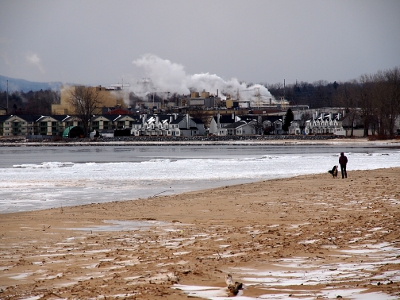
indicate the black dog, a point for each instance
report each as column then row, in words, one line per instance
column 334, row 171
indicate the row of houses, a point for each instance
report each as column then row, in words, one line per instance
column 324, row 123
column 107, row 124
column 259, row 124
column 118, row 122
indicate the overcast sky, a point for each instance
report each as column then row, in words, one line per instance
column 101, row 42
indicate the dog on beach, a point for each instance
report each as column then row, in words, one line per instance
column 334, row 171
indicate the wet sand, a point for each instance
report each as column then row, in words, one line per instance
column 308, row 237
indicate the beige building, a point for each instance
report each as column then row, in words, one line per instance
column 16, row 125
column 108, row 98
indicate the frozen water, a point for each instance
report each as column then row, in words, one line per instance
column 38, row 178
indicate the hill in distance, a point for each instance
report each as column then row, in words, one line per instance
column 15, row 85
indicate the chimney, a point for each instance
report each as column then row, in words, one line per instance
column 187, row 121
column 144, row 116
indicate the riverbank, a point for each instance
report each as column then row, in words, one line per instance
column 308, row 236
column 196, row 140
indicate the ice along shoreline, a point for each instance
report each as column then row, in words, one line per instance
column 212, row 140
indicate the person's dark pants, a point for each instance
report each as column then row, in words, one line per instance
column 343, row 171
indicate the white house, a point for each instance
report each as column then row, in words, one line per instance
column 219, row 122
column 240, row 128
column 325, row 124
column 186, row 126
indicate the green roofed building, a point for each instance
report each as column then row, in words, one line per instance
column 73, row 132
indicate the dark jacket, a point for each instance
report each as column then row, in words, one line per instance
column 342, row 159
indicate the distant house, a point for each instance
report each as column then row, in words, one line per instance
column 72, row 121
column 136, row 127
column 110, row 121
column 269, row 122
column 240, row 128
column 102, row 122
column 219, row 122
column 167, row 125
column 294, row 128
column 14, row 125
column 278, row 127
column 262, row 123
column 186, row 126
column 124, row 121
column 151, row 126
column 325, row 124
column 48, row 125
column 106, row 125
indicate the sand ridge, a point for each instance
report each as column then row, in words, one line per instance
column 309, row 236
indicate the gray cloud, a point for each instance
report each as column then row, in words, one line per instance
column 92, row 42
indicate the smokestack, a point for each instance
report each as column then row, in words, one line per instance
column 284, row 89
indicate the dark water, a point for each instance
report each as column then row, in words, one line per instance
column 10, row 156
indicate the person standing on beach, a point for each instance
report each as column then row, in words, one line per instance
column 343, row 163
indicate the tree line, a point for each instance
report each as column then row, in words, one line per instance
column 373, row 99
column 30, row 103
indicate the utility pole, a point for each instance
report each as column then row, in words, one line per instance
column 7, row 96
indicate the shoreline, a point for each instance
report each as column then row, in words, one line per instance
column 28, row 188
column 313, row 234
column 281, row 140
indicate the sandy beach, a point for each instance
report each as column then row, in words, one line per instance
column 308, row 237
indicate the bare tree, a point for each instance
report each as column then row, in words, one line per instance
column 367, row 98
column 383, row 104
column 304, row 118
column 346, row 96
column 85, row 100
column 392, row 98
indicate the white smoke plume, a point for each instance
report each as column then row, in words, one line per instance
column 35, row 60
column 165, row 76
